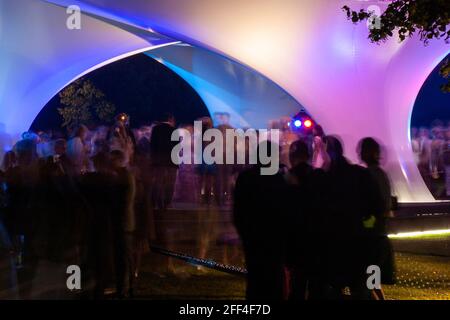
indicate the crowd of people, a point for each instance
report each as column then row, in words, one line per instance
column 311, row 233
column 308, row 232
column 89, row 198
column 87, row 201
column 431, row 147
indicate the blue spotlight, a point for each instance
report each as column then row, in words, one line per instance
column 298, row 123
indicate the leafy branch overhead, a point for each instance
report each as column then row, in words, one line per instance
column 83, row 103
column 430, row 19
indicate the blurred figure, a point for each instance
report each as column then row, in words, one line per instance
column 224, row 171
column 380, row 245
column 8, row 276
column 121, row 138
column 415, row 144
column 44, row 147
column 97, row 189
column 143, row 151
column 447, row 161
column 206, row 172
column 58, row 225
column 77, row 149
column 123, row 223
column 350, row 197
column 9, row 161
column 187, row 183
column 163, row 169
column 318, row 150
column 437, row 167
column 287, row 137
column 5, row 140
column 299, row 179
column 21, row 180
column 61, row 159
column 99, row 141
column 257, row 198
column 424, row 153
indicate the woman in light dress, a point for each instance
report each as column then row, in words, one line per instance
column 319, row 156
column 78, row 149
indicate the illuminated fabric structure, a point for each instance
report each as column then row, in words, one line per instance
column 307, row 49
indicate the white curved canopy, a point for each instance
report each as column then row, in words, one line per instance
column 307, row 48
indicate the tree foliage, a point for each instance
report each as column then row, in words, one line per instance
column 428, row 18
column 83, row 103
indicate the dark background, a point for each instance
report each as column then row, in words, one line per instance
column 431, row 103
column 139, row 86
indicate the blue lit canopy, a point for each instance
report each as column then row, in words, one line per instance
column 306, row 50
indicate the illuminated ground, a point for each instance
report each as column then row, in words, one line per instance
column 420, row 277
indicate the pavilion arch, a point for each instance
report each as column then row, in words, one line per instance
column 308, row 48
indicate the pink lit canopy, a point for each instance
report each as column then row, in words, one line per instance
column 307, row 49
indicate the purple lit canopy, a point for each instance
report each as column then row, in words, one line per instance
column 301, row 52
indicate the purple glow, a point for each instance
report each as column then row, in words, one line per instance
column 307, row 47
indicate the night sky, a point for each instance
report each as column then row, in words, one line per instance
column 141, row 87
column 431, row 103
column 145, row 89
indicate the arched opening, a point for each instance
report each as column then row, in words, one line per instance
column 138, row 86
column 430, row 134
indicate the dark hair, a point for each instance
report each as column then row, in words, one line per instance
column 81, row 128
column 117, row 155
column 166, row 116
column 369, row 150
column 319, row 131
column 100, row 161
column 335, row 150
column 60, row 141
column 9, row 160
column 298, row 151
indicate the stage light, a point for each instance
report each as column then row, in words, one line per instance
column 308, row 123
column 289, row 124
column 298, row 123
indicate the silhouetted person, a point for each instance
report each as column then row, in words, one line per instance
column 123, row 223
column 259, row 220
column 8, row 276
column 207, row 171
column 58, row 224
column 303, row 198
column 9, row 161
column 61, row 159
column 97, row 189
column 380, row 245
column 163, row 169
column 224, row 171
column 122, row 138
column 350, row 198
column 77, row 150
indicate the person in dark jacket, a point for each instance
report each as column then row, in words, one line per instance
column 97, row 189
column 350, row 199
column 163, row 169
column 259, row 220
column 123, row 223
column 303, row 196
column 381, row 247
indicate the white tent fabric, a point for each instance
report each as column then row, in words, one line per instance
column 308, row 48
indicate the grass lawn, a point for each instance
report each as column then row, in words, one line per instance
column 419, row 278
